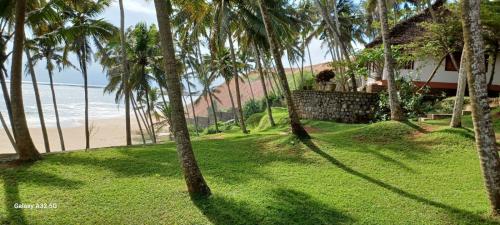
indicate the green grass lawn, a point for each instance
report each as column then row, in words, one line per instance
column 383, row 173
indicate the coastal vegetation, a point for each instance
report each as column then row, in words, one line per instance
column 263, row 165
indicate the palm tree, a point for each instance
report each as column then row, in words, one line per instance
column 126, row 73
column 25, row 146
column 263, row 82
column 38, row 100
column 297, row 128
column 194, row 179
column 224, row 65
column 84, row 29
column 48, row 49
column 483, row 125
column 396, row 112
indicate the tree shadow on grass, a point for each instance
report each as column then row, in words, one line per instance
column 459, row 214
column 11, row 178
column 462, row 132
column 11, row 192
column 282, row 206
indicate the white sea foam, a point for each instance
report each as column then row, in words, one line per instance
column 71, row 105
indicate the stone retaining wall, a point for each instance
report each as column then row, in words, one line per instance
column 342, row 107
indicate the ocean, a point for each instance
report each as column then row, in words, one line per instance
column 71, row 105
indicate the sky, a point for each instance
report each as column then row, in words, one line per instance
column 135, row 11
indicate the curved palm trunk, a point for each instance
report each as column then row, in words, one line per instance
column 335, row 30
column 214, row 112
column 481, row 117
column 192, row 106
column 125, row 75
column 456, row 119
column 143, row 117
column 185, row 106
column 310, row 60
column 7, row 132
column 139, row 124
column 250, row 84
column 233, row 109
column 148, row 109
column 194, row 179
column 297, row 128
column 56, row 110
column 396, row 112
column 6, row 99
column 38, row 101
column 237, row 83
column 493, row 67
column 264, row 88
column 25, row 146
column 293, row 74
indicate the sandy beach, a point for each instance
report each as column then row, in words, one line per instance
column 105, row 133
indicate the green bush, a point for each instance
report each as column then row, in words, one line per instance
column 446, row 105
column 412, row 101
column 254, row 120
column 251, row 107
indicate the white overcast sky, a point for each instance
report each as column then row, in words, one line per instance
column 137, row 11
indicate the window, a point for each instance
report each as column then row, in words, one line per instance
column 449, row 63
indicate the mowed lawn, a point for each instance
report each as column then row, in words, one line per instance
column 383, row 173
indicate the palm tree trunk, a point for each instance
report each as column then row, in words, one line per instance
column 26, row 148
column 143, row 117
column 310, row 60
column 83, row 64
column 148, row 109
column 38, row 101
column 250, row 84
column 233, row 107
column 336, row 31
column 56, row 110
column 481, row 117
column 125, row 75
column 208, row 113
column 493, row 65
column 237, row 82
column 192, row 106
column 214, row 112
column 396, row 112
column 185, row 106
column 293, row 74
column 6, row 99
column 7, row 131
column 138, row 122
column 264, row 88
column 456, row 119
column 192, row 174
column 297, row 128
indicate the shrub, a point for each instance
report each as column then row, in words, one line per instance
column 446, row 105
column 412, row 101
column 251, row 107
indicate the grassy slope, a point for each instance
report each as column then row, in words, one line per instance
column 384, row 173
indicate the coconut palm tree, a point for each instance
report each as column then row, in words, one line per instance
column 481, row 117
column 194, row 179
column 46, row 48
column 25, row 146
column 297, row 128
column 395, row 105
column 84, row 29
column 126, row 74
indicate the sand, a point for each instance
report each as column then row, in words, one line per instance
column 105, row 133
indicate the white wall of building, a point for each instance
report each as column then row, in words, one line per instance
column 424, row 68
